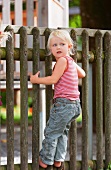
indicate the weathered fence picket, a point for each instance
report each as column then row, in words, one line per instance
column 35, row 119
column 107, row 97
column 85, row 101
column 102, row 59
column 10, row 100
column 99, row 98
column 24, row 99
column 73, row 129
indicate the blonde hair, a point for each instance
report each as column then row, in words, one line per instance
column 64, row 35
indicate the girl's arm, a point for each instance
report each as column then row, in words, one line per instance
column 57, row 73
column 80, row 71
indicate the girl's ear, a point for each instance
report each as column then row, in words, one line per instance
column 70, row 45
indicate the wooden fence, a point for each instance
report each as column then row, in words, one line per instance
column 101, row 57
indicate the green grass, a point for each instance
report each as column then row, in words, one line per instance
column 3, row 115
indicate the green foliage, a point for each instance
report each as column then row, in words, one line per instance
column 3, row 99
column 17, row 115
column 29, row 101
column 12, row 6
column 79, row 118
column 89, row 168
column 75, row 21
column 74, row 3
column 109, row 166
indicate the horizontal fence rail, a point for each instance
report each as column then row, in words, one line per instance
column 42, row 55
column 91, row 32
column 99, row 60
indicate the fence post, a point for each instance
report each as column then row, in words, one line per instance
column 24, row 99
column 85, row 100
column 48, row 70
column 99, row 99
column 36, row 110
column 10, row 99
column 107, row 97
column 73, row 129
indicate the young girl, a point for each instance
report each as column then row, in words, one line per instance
column 66, row 106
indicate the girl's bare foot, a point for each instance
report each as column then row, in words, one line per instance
column 57, row 164
column 43, row 165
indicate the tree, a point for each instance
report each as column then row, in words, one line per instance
column 96, row 14
column 74, row 17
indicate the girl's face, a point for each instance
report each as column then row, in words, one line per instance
column 59, row 48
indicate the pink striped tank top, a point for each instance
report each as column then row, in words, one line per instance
column 67, row 86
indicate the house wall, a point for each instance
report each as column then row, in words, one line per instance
column 58, row 13
column 53, row 13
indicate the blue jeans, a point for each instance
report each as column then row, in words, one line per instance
column 54, row 146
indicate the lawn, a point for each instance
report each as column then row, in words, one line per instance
column 17, row 115
column 3, row 115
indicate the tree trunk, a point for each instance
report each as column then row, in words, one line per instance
column 95, row 15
